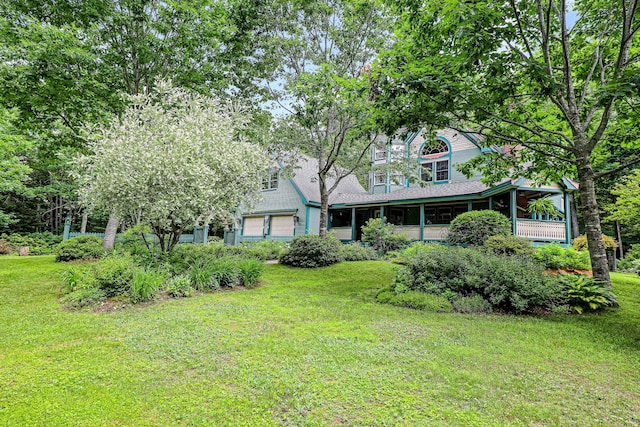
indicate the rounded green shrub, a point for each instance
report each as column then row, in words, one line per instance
column 357, row 252
column 81, row 247
column 179, row 287
column 509, row 245
column 473, row 228
column 311, row 251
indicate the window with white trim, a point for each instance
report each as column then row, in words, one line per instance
column 380, row 153
column 379, row 178
column 270, row 181
column 434, row 162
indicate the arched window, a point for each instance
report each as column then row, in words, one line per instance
column 434, row 162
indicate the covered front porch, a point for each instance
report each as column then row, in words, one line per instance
column 429, row 220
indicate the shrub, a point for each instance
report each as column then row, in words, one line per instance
column 473, row 228
column 179, row 287
column 83, row 297
column 145, row 285
column 580, row 243
column 81, row 247
column 202, row 275
column 226, row 271
column 250, row 271
column 415, row 300
column 382, row 237
column 310, row 251
column 556, row 257
column 585, row 293
column 509, row 245
column 264, row 249
column 113, row 275
column 357, row 252
column 38, row 243
column 471, row 304
column 509, row 284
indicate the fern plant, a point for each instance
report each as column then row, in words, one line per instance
column 585, row 293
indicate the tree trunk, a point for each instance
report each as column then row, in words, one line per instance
column 324, row 209
column 110, row 233
column 591, row 217
column 619, row 239
column 83, row 226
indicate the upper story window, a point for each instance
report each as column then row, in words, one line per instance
column 434, row 162
column 270, row 181
column 380, row 153
column 379, row 178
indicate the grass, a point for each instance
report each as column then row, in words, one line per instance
column 308, row 347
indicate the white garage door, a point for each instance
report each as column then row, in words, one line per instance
column 282, row 225
column 253, row 226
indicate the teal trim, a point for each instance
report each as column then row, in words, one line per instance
column 568, row 184
column 448, row 157
column 514, row 213
column 381, row 211
column 67, row 228
column 542, row 190
column 567, row 218
column 295, row 187
column 353, row 224
column 306, row 219
column 490, row 203
column 421, row 222
column 470, row 205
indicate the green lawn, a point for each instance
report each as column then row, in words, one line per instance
column 308, row 348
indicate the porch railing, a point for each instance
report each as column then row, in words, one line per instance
column 541, row 230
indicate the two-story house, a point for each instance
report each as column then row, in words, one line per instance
column 422, row 208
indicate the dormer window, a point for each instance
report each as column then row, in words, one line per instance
column 270, row 181
column 381, row 153
column 434, row 162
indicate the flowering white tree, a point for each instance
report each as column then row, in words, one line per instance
column 173, row 157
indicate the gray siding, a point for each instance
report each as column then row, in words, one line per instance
column 313, row 220
column 461, row 157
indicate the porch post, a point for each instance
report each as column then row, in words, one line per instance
column 353, row 224
column 514, row 213
column 567, row 217
column 422, row 222
column 490, row 203
column 469, row 205
column 381, row 211
column 67, row 228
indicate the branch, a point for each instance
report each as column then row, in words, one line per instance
column 624, row 165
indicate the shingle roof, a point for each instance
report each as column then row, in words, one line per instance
column 306, row 179
column 427, row 192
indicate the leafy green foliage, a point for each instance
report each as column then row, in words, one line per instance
column 264, row 249
column 38, row 243
column 509, row 245
column 113, row 274
column 471, row 304
column 83, row 297
column 416, row 300
column 542, row 206
column 145, row 284
column 179, row 287
column 382, row 236
column 250, row 271
column 626, row 208
column 473, row 228
column 587, row 294
column 580, row 242
column 311, row 251
column 81, row 247
column 357, row 252
column 510, row 284
column 556, row 257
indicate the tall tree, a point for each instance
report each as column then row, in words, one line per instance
column 67, row 63
column 323, row 49
column 531, row 74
